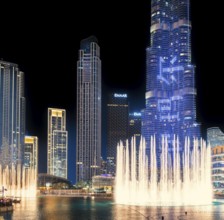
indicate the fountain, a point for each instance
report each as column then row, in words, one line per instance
column 186, row 183
column 18, row 181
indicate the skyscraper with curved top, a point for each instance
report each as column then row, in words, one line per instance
column 88, row 120
column 170, row 75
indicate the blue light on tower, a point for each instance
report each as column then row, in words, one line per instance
column 171, row 167
column 170, row 75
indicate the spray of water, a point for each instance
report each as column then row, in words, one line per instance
column 18, row 181
column 186, row 184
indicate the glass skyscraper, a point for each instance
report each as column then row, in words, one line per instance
column 31, row 152
column 57, row 153
column 88, row 120
column 170, row 75
column 117, row 126
column 135, row 124
column 12, row 114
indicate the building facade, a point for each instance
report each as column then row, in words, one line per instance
column 88, row 133
column 170, row 75
column 57, row 153
column 117, row 126
column 218, row 169
column 12, row 114
column 135, row 126
column 103, row 183
column 31, row 152
column 47, row 183
column 215, row 137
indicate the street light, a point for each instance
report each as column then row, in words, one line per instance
column 3, row 191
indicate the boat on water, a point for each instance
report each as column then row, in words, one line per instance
column 16, row 199
column 6, row 204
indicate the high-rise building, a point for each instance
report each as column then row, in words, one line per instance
column 31, row 152
column 215, row 137
column 135, row 125
column 12, row 114
column 88, row 127
column 57, row 153
column 117, row 126
column 170, row 75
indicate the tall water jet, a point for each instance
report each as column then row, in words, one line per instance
column 173, row 183
column 18, row 181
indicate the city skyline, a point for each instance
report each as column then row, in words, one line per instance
column 50, row 45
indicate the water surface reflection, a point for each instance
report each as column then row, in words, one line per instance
column 66, row 208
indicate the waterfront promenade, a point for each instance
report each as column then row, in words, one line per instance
column 74, row 193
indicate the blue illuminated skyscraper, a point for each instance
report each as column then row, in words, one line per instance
column 170, row 75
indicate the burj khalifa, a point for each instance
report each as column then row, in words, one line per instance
column 170, row 97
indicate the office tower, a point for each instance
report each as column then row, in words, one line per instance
column 12, row 114
column 215, row 137
column 117, row 126
column 135, row 125
column 88, row 121
column 170, row 75
column 57, row 143
column 31, row 152
column 134, row 131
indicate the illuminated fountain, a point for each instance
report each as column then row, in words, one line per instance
column 18, row 181
column 137, row 184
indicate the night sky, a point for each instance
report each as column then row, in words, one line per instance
column 44, row 39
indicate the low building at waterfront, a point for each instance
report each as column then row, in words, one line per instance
column 47, row 181
column 103, row 183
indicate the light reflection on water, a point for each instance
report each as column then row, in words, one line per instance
column 65, row 208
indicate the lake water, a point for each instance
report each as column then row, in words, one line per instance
column 70, row 208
